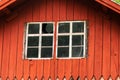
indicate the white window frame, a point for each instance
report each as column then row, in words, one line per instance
column 40, row 38
column 55, row 37
column 70, row 39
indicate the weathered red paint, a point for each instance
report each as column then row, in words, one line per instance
column 5, row 3
column 103, row 42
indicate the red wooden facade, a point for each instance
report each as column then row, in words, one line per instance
column 103, row 58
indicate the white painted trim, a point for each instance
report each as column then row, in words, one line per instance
column 57, row 34
column 40, row 35
column 85, row 38
column 70, row 39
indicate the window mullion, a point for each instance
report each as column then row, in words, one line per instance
column 57, row 34
column 70, row 39
column 40, row 29
column 26, row 41
column 84, row 52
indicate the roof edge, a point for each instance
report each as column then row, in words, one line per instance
column 6, row 4
column 110, row 4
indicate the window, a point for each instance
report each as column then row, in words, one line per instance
column 39, row 40
column 70, row 38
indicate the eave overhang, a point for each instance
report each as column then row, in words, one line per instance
column 110, row 4
column 5, row 3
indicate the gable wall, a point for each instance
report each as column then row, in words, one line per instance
column 103, row 42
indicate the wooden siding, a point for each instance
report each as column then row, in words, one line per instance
column 103, row 60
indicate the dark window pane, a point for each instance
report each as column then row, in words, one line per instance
column 63, row 40
column 63, row 52
column 64, row 28
column 77, row 51
column 47, row 28
column 78, row 27
column 33, row 29
column 77, row 40
column 33, row 41
column 32, row 53
column 47, row 40
column 46, row 52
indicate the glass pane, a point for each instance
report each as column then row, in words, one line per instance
column 47, row 28
column 63, row 40
column 78, row 27
column 47, row 40
column 46, row 52
column 77, row 51
column 63, row 52
column 32, row 53
column 33, row 41
column 77, row 40
column 64, row 28
column 33, row 29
